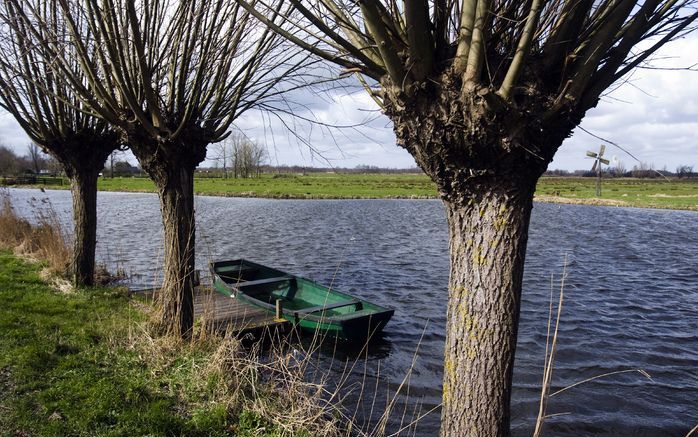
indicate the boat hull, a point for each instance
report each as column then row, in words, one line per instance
column 308, row 305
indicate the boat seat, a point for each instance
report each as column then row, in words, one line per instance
column 235, row 273
column 235, row 267
column 331, row 306
column 265, row 281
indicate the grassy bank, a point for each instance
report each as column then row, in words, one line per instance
column 85, row 363
column 94, row 361
column 298, row 186
column 643, row 193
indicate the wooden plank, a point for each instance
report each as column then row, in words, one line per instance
column 234, row 267
column 264, row 281
column 228, row 313
column 218, row 308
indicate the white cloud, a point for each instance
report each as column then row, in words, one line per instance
column 363, row 136
column 654, row 116
column 12, row 135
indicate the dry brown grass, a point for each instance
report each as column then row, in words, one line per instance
column 270, row 383
column 280, row 380
column 291, row 385
column 45, row 240
column 104, row 277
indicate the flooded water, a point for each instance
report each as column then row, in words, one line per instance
column 631, row 295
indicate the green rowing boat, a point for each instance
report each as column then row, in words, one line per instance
column 306, row 304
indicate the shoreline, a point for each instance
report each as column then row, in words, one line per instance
column 542, row 198
column 605, row 202
column 77, row 361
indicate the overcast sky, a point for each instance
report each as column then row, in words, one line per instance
column 654, row 117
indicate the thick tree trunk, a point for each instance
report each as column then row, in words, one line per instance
column 177, row 205
column 485, row 157
column 83, row 185
column 488, row 235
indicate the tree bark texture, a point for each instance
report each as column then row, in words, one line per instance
column 485, row 160
column 82, row 156
column 83, row 186
column 170, row 164
column 176, row 193
column 487, row 242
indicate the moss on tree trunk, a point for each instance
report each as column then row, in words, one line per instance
column 485, row 164
column 487, row 241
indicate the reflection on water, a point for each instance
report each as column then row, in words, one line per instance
column 631, row 295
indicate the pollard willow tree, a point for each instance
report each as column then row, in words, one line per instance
column 482, row 93
column 171, row 77
column 51, row 115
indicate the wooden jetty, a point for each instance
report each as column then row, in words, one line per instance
column 229, row 314
column 233, row 314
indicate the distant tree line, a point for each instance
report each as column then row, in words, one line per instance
column 301, row 169
column 34, row 162
column 685, row 171
column 241, row 157
column 123, row 168
column 373, row 169
column 238, row 156
column 640, row 171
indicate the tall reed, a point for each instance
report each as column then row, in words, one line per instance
column 551, row 343
column 266, row 379
column 44, row 240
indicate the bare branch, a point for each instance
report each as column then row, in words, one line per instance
column 522, row 50
column 476, row 55
column 421, row 44
column 465, row 35
column 379, row 32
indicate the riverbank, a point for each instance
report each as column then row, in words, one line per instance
column 85, row 362
column 641, row 193
column 679, row 194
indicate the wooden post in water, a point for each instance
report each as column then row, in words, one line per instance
column 279, row 312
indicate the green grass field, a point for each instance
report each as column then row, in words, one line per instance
column 643, row 193
column 80, row 364
column 297, row 186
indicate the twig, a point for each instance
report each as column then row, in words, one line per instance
column 640, row 371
